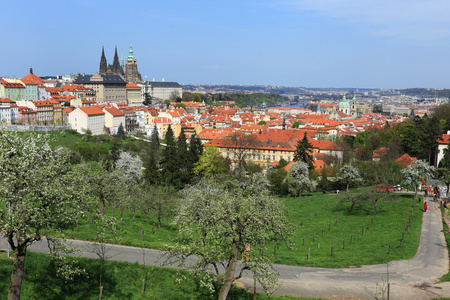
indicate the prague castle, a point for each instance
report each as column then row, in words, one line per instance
column 127, row 70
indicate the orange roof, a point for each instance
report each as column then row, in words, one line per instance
column 114, row 112
column 32, row 79
column 444, row 139
column 92, row 110
column 11, row 84
column 132, row 86
column 406, row 160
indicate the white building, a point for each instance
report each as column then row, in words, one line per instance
column 9, row 112
column 113, row 118
column 161, row 90
column 442, row 145
column 87, row 118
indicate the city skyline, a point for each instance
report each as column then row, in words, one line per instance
column 321, row 43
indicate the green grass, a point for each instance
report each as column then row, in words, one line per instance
column 446, row 277
column 310, row 215
column 120, row 281
column 69, row 138
column 321, row 212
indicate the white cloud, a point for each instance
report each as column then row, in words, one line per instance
column 408, row 19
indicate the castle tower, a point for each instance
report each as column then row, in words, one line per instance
column 116, row 69
column 132, row 74
column 103, row 63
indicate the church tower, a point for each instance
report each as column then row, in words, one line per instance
column 116, row 69
column 103, row 63
column 132, row 74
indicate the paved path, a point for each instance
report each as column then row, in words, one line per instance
column 410, row 279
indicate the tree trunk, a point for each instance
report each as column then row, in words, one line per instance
column 102, row 206
column 159, row 221
column 17, row 273
column 417, row 190
column 121, row 220
column 229, row 276
column 347, row 186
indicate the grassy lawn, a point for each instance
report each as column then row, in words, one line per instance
column 356, row 239
column 120, row 281
column 69, row 138
column 446, row 277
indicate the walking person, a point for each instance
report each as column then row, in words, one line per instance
column 425, row 206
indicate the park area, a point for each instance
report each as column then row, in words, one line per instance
column 328, row 233
column 325, row 228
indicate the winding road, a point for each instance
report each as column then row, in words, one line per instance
column 412, row 279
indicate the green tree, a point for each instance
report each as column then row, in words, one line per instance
column 276, row 177
column 184, row 163
column 114, row 155
column 120, row 131
column 169, row 161
column 152, row 174
column 196, row 98
column 324, row 183
column 298, row 179
column 211, row 163
column 303, row 152
column 296, row 124
column 180, row 105
column 194, row 152
column 41, row 193
column 147, row 99
column 348, row 174
column 262, row 122
column 416, row 172
column 225, row 221
column 167, row 102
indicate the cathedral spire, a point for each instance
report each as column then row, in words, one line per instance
column 131, row 56
column 116, row 64
column 103, row 63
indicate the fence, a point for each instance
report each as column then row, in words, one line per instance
column 33, row 128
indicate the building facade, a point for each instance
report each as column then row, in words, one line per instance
column 108, row 88
column 131, row 70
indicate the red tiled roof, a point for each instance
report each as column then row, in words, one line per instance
column 406, row 160
column 11, row 84
column 114, row 112
column 32, row 79
column 132, row 86
column 444, row 139
column 92, row 110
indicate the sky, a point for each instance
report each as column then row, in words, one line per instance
column 300, row 43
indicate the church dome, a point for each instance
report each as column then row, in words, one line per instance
column 344, row 102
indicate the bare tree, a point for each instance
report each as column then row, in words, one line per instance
column 240, row 145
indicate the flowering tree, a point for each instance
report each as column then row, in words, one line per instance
column 298, row 179
column 130, row 166
column 42, row 195
column 349, row 174
column 416, row 172
column 216, row 221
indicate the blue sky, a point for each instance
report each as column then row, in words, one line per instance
column 308, row 43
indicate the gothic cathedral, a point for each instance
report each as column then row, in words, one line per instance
column 128, row 71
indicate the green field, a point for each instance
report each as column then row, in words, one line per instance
column 120, row 281
column 358, row 238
